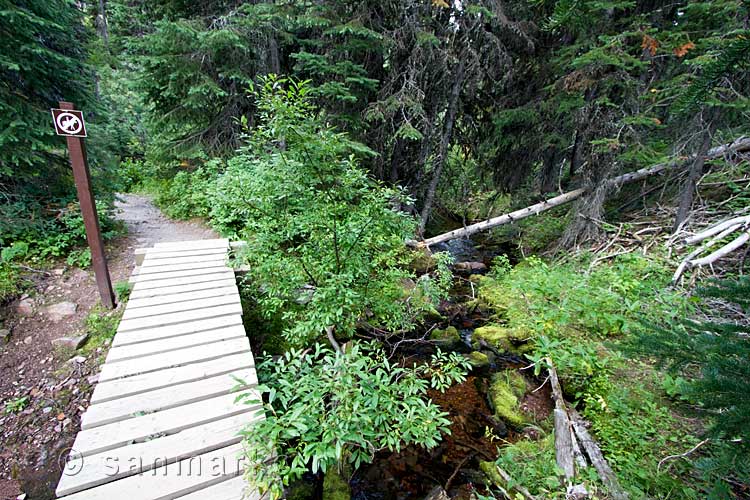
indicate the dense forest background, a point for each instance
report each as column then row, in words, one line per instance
column 423, row 115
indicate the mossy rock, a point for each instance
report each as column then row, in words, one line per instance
column 422, row 261
column 478, row 359
column 335, row 487
column 501, row 338
column 300, row 490
column 448, row 336
column 506, row 391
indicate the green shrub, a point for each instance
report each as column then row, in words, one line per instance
column 324, row 243
column 325, row 409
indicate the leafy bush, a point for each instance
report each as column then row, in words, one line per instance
column 191, row 193
column 325, row 243
column 326, row 409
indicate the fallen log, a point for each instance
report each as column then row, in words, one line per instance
column 739, row 145
column 567, row 450
column 594, row 453
column 719, row 232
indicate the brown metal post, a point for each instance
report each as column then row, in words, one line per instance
column 79, row 162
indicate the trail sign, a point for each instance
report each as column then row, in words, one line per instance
column 69, row 122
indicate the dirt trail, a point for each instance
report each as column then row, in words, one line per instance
column 50, row 388
column 147, row 225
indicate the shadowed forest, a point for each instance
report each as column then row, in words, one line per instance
column 589, row 340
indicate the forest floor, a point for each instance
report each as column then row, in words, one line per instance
column 45, row 386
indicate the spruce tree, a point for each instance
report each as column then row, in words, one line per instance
column 714, row 359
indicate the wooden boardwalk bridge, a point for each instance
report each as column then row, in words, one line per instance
column 163, row 422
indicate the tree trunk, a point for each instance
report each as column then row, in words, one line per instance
column 741, row 144
column 688, row 190
column 102, row 23
column 450, row 118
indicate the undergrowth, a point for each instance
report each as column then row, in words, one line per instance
column 577, row 313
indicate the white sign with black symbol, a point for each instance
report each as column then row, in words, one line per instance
column 69, row 122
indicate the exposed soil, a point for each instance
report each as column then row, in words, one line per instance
column 56, row 381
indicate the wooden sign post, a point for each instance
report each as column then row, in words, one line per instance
column 69, row 123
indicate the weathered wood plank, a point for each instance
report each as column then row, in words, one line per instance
column 143, row 293
column 185, row 280
column 138, row 458
column 186, row 305
column 167, row 331
column 168, row 397
column 173, row 480
column 140, row 278
column 155, row 253
column 161, row 270
column 153, row 425
column 122, row 352
column 137, row 384
column 231, row 489
column 119, row 369
column 179, row 317
column 174, row 298
column 191, row 244
column 156, row 261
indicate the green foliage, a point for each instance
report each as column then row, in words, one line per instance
column 572, row 312
column 8, row 281
column 325, row 244
column 325, row 409
column 122, row 290
column 191, row 193
column 712, row 358
column 16, row 405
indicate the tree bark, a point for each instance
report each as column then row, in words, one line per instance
column 103, row 24
column 688, row 190
column 450, row 118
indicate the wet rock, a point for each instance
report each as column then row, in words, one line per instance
column 470, row 267
column 501, row 338
column 72, row 342
column 57, row 312
column 25, row 307
column 335, row 487
column 447, row 338
column 506, row 390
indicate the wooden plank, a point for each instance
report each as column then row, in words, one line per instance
column 173, row 298
column 137, row 384
column 231, row 489
column 186, row 280
column 179, row 317
column 142, row 293
column 153, row 261
column 173, row 480
column 153, row 425
column 186, row 266
column 128, row 367
column 191, row 244
column 155, row 253
column 186, row 305
column 176, row 330
column 122, row 352
column 138, row 458
column 138, row 278
column 165, row 398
